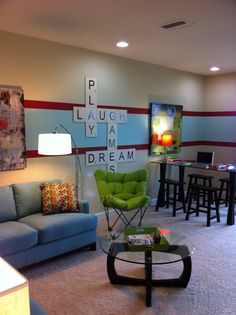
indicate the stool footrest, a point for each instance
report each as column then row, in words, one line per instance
column 200, row 176
column 178, row 194
column 204, row 188
column 212, row 202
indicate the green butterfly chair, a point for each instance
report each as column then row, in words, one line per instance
column 123, row 193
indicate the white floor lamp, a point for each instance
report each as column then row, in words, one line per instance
column 60, row 144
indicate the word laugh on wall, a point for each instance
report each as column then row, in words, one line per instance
column 91, row 115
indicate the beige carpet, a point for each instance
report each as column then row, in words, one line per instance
column 77, row 283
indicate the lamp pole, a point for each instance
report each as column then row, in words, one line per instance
column 77, row 160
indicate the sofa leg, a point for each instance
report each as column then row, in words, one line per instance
column 93, row 246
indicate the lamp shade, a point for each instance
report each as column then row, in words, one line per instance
column 54, row 144
column 166, row 140
column 14, row 291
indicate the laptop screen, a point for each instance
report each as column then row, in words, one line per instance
column 205, row 157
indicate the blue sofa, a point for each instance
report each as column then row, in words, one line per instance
column 36, row 309
column 27, row 236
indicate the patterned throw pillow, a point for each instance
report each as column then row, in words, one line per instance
column 58, row 198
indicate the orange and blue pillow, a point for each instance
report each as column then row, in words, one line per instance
column 59, row 198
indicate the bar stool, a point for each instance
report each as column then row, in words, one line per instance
column 178, row 195
column 211, row 193
column 205, row 180
column 224, row 187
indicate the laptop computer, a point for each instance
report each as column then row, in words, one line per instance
column 205, row 157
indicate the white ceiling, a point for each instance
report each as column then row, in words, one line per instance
column 99, row 24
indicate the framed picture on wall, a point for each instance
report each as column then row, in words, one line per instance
column 12, row 129
column 165, row 119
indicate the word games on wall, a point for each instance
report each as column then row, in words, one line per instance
column 91, row 115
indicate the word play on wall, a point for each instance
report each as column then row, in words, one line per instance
column 91, row 115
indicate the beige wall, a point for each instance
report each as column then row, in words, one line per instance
column 220, row 93
column 53, row 72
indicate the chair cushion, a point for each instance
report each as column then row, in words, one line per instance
column 15, row 237
column 124, row 196
column 123, row 191
column 61, row 225
column 7, row 207
column 114, row 202
column 28, row 197
column 117, row 183
column 58, row 198
column 126, row 205
column 138, row 202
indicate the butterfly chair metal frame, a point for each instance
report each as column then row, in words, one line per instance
column 111, row 188
column 120, row 215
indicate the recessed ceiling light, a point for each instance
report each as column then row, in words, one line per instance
column 214, row 69
column 122, row 44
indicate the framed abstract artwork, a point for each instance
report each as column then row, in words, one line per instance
column 12, row 129
column 165, row 119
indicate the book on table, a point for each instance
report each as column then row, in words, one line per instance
column 140, row 239
column 147, row 238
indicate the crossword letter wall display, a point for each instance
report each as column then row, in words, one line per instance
column 91, row 115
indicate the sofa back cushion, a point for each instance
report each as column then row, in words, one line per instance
column 7, row 204
column 28, row 197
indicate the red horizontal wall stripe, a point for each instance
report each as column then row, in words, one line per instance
column 208, row 114
column 191, row 143
column 49, row 105
column 212, row 143
column 131, row 110
column 134, row 146
column 220, row 144
column 69, row 106
column 34, row 153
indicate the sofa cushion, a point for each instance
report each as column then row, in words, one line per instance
column 28, row 197
column 7, row 204
column 62, row 225
column 58, row 198
column 15, row 237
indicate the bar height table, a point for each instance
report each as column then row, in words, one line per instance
column 182, row 165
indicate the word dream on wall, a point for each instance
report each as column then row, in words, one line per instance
column 91, row 115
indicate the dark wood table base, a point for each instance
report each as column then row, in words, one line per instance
column 114, row 278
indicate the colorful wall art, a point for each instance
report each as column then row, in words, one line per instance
column 12, row 129
column 165, row 119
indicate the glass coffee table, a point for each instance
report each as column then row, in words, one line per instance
column 177, row 248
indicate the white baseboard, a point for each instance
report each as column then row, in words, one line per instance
column 101, row 214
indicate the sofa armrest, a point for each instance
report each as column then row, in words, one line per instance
column 36, row 309
column 83, row 206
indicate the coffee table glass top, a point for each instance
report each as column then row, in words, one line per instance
column 178, row 248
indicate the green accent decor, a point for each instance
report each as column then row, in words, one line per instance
column 148, row 233
column 123, row 191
